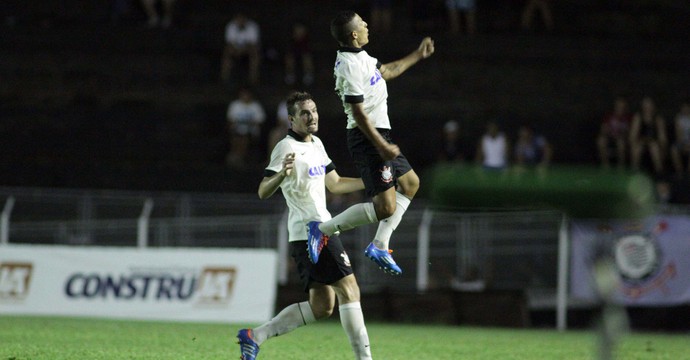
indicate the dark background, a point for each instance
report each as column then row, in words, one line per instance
column 92, row 98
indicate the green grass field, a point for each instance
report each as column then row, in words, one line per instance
column 25, row 338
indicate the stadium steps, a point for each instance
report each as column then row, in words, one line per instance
column 61, row 54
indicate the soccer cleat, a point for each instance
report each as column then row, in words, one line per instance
column 249, row 349
column 383, row 259
column 316, row 240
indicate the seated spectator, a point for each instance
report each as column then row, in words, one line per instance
column 534, row 6
column 680, row 151
column 299, row 51
column 648, row 133
column 451, row 146
column 532, row 149
column 492, row 151
column 614, row 132
column 457, row 8
column 242, row 41
column 155, row 19
column 245, row 116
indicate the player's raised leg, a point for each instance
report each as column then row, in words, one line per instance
column 379, row 251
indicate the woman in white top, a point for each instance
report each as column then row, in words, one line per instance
column 492, row 151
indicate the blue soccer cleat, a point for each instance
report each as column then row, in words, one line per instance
column 249, row 349
column 316, row 240
column 383, row 259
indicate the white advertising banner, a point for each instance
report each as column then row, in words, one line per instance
column 652, row 257
column 181, row 284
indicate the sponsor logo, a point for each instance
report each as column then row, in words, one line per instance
column 210, row 286
column 215, row 286
column 386, row 175
column 319, row 170
column 15, row 280
column 375, row 78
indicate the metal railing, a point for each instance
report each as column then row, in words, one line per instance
column 464, row 251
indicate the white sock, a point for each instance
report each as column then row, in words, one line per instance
column 387, row 226
column 292, row 317
column 354, row 216
column 352, row 319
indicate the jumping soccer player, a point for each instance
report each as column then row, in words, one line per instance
column 301, row 167
column 360, row 82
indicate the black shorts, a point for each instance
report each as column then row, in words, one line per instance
column 378, row 175
column 333, row 265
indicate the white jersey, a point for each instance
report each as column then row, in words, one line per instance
column 240, row 37
column 358, row 80
column 305, row 189
column 494, row 149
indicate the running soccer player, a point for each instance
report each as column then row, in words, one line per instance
column 301, row 167
column 360, row 82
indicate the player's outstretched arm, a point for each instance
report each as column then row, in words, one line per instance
column 394, row 69
column 269, row 185
column 342, row 185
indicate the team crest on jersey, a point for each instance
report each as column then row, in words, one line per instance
column 346, row 259
column 386, row 174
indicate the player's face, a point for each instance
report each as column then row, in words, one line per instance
column 360, row 30
column 306, row 118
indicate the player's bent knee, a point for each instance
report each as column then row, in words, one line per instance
column 384, row 210
column 347, row 290
column 409, row 184
column 321, row 310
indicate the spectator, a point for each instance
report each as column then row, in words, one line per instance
column 381, row 15
column 534, row 6
column 299, row 51
column 648, row 132
column 532, row 149
column 492, row 151
column 456, row 8
column 681, row 148
column 451, row 146
column 155, row 19
column 614, row 131
column 242, row 41
column 245, row 116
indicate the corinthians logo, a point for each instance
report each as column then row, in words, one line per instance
column 637, row 257
column 642, row 265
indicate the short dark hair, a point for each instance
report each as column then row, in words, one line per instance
column 296, row 97
column 339, row 29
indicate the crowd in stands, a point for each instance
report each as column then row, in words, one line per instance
column 494, row 148
column 640, row 140
column 633, row 135
column 644, row 140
